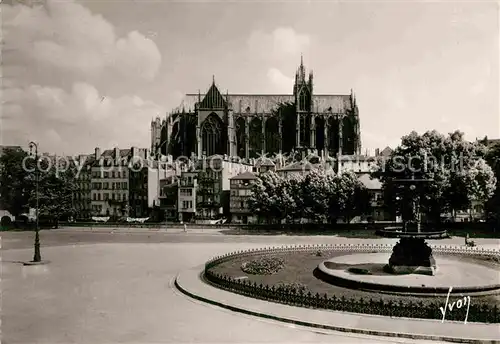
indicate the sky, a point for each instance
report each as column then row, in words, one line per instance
column 84, row 74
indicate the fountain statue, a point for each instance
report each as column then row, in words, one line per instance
column 412, row 254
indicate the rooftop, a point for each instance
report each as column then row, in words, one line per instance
column 264, row 162
column 298, row 166
column 244, row 176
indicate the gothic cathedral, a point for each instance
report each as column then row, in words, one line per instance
column 248, row 125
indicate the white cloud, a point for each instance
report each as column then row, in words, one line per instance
column 280, row 44
column 64, row 51
column 67, row 36
column 76, row 121
column 281, row 82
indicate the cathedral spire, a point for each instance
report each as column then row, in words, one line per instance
column 301, row 71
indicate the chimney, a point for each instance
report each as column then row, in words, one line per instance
column 97, row 153
column 134, row 152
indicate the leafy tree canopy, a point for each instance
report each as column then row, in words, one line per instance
column 454, row 171
column 318, row 195
column 14, row 188
column 18, row 177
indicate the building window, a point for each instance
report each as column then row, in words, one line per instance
column 186, row 192
column 303, row 101
column 211, row 133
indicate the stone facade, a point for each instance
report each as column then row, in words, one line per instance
column 249, row 125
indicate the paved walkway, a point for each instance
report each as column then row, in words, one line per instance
column 123, row 293
column 189, row 282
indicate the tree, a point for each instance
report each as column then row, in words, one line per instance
column 348, row 197
column 316, row 190
column 14, row 187
column 293, row 197
column 492, row 206
column 453, row 168
column 56, row 187
column 264, row 197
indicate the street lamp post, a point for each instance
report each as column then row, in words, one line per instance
column 37, row 256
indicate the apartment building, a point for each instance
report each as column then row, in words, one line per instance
column 82, row 197
column 296, row 169
column 116, row 176
column 241, row 190
column 187, row 195
column 214, row 174
column 363, row 163
column 169, row 194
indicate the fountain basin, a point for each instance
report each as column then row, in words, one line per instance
column 463, row 276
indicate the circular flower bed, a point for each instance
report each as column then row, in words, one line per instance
column 296, row 283
column 263, row 266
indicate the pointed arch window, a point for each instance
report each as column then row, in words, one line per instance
column 303, row 101
column 211, row 132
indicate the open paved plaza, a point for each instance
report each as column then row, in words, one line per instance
column 118, row 287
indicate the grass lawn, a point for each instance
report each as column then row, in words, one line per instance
column 299, row 267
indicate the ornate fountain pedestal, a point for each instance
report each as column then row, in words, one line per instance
column 412, row 255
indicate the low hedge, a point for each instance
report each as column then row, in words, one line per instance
column 297, row 296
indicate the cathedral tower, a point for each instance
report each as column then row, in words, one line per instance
column 303, row 94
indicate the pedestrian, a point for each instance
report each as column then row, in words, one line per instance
column 185, row 228
column 466, row 239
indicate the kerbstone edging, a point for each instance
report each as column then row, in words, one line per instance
column 190, row 284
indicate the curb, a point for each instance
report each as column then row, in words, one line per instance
column 327, row 327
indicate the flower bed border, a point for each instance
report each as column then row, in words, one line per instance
column 477, row 313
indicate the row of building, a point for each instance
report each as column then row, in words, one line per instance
column 219, row 186
column 121, row 183
column 131, row 182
